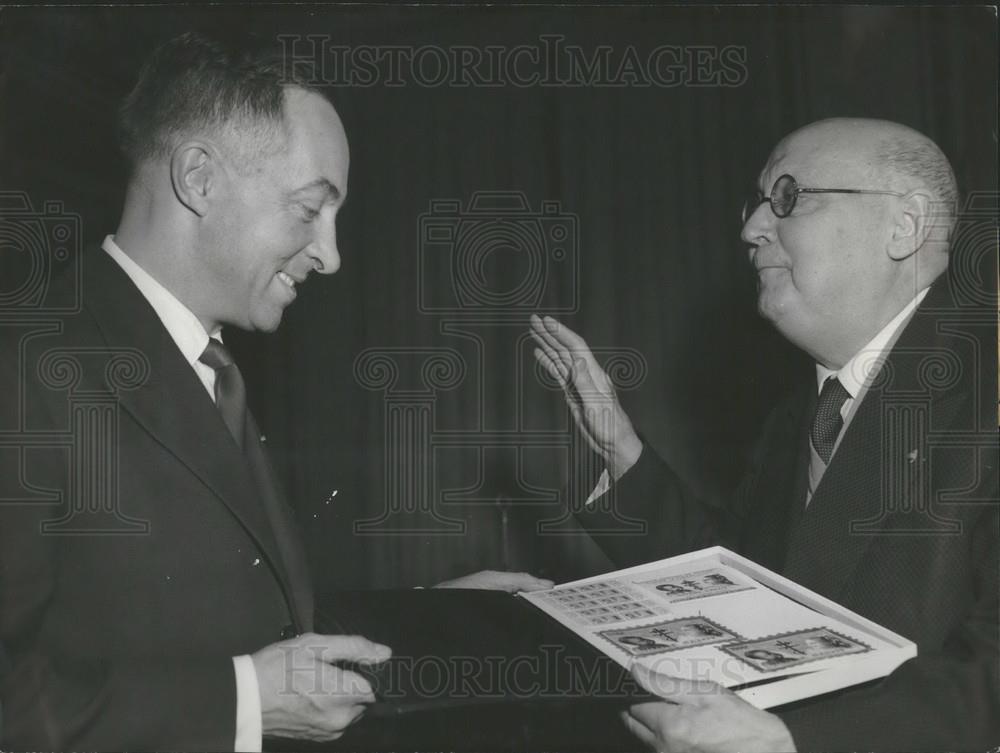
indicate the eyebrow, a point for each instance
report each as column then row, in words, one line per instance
column 322, row 183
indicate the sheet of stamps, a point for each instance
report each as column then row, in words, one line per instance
column 603, row 603
column 669, row 635
column 696, row 585
column 779, row 652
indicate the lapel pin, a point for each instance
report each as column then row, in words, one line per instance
column 911, row 456
column 332, row 495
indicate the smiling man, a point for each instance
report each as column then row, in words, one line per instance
column 232, row 224
column 874, row 482
column 154, row 592
column 188, row 633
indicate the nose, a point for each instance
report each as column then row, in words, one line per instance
column 758, row 229
column 323, row 249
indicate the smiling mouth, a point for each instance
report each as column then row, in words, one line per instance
column 287, row 279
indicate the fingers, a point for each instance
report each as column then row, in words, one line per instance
column 351, row 648
column 675, row 689
column 350, row 686
column 552, row 365
column 564, row 341
column 558, row 336
column 654, row 719
column 639, row 730
column 544, row 342
column 356, row 712
column 515, row 582
column 550, row 335
column 497, row 580
column 571, row 357
column 340, row 686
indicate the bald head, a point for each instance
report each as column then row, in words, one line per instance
column 882, row 154
column 874, row 204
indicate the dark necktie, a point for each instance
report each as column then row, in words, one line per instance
column 231, row 400
column 828, row 422
column 230, row 391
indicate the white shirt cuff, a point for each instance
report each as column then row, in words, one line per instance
column 249, row 719
column 603, row 484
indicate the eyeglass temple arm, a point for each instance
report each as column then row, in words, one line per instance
column 800, row 189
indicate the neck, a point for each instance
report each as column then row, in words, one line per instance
column 158, row 243
column 849, row 345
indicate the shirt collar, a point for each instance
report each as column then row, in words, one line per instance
column 854, row 374
column 181, row 323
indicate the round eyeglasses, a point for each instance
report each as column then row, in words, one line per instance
column 785, row 192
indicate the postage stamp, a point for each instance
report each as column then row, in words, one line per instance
column 603, row 603
column 695, row 585
column 669, row 635
column 786, row 650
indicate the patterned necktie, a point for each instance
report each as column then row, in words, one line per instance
column 828, row 422
column 230, row 391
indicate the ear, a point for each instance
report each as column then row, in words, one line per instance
column 193, row 174
column 912, row 224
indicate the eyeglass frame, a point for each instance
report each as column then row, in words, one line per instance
column 769, row 198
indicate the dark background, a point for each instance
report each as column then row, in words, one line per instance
column 654, row 177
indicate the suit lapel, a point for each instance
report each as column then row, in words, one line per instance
column 283, row 525
column 823, row 551
column 779, row 476
column 879, row 471
column 172, row 405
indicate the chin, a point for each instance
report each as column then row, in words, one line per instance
column 267, row 323
column 769, row 308
column 269, row 326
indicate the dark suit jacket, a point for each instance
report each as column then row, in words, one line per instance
column 137, row 551
column 903, row 529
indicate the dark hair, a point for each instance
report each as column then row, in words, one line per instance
column 195, row 83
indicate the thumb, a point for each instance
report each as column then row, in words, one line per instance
column 674, row 689
column 352, row 648
column 526, row 582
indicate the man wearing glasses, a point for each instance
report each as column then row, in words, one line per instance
column 875, row 483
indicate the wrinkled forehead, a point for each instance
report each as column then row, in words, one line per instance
column 820, row 159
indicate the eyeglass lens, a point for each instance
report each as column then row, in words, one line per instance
column 783, row 195
column 782, row 198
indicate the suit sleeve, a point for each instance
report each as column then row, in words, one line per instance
column 946, row 699
column 649, row 514
column 55, row 699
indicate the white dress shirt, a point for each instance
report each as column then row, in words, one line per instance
column 856, row 375
column 191, row 338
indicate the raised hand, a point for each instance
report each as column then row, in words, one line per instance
column 304, row 694
column 589, row 393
